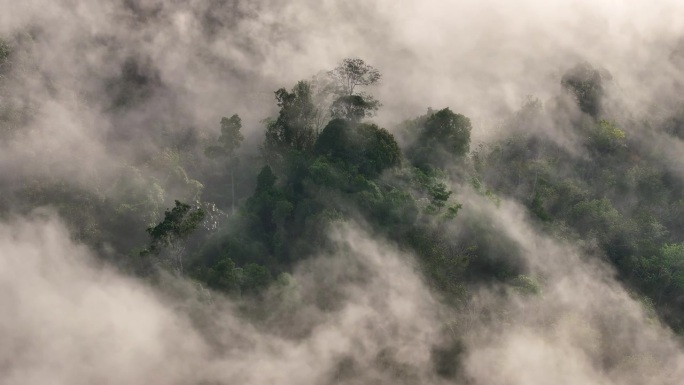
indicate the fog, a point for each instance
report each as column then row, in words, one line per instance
column 68, row 320
column 203, row 60
column 584, row 326
column 360, row 314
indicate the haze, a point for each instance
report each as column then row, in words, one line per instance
column 98, row 98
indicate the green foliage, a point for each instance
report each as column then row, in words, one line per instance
column 230, row 140
column 352, row 73
column 586, row 86
column 139, row 194
column 265, row 180
column 609, row 193
column 597, row 213
column 441, row 138
column 269, row 205
column 443, row 263
column 381, row 150
column 225, row 276
column 167, row 238
column 663, row 274
column 354, row 107
column 5, row 52
column 325, row 174
column 538, row 209
column 673, row 264
column 364, row 147
column 256, row 278
column 335, row 139
column 394, row 210
column 309, row 187
column 296, row 125
column 251, row 279
column 452, row 211
column 177, row 225
column 617, row 199
column 438, row 195
column 451, row 130
column 526, row 285
column 606, row 137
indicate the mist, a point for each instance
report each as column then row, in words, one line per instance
column 583, row 327
column 363, row 314
column 203, row 60
column 116, row 101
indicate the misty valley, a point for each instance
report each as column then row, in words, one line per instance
column 303, row 192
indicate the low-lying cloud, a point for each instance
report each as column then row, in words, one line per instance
column 200, row 60
column 362, row 314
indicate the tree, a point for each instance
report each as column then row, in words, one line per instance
column 451, row 130
column 167, row 236
column 439, row 195
column 605, row 137
column 230, row 140
column 333, row 139
column 350, row 74
column 381, row 150
column 444, row 135
column 586, row 86
column 354, row 107
column 225, row 275
column 265, row 180
column 256, row 278
column 366, row 147
column 296, row 125
column 269, row 207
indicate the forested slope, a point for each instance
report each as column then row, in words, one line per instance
column 324, row 234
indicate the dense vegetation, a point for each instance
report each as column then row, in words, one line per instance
column 238, row 220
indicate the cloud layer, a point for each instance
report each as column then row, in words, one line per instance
column 360, row 315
